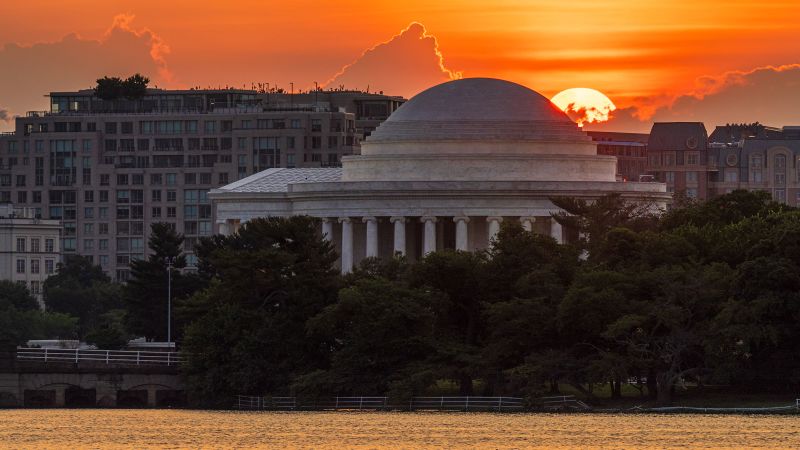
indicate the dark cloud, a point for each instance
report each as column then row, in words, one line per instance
column 405, row 65
column 769, row 95
column 28, row 72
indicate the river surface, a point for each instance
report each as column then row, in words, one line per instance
column 157, row 429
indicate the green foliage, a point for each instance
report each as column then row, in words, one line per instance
column 707, row 293
column 82, row 290
column 110, row 333
column 21, row 320
column 248, row 331
column 146, row 294
column 16, row 295
column 113, row 88
column 380, row 335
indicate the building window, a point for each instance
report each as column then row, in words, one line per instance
column 732, row 175
column 21, row 245
column 20, row 266
column 35, row 286
column 210, row 126
column 780, row 173
column 669, row 177
column 48, row 245
column 691, row 192
column 35, row 245
column 692, row 159
column 171, row 212
column 780, row 195
column 155, row 212
column 691, row 177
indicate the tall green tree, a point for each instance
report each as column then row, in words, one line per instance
column 146, row 293
column 248, row 331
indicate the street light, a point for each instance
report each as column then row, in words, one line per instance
column 169, row 261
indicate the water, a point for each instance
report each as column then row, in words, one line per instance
column 144, row 429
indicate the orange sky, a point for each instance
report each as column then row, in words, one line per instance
column 642, row 54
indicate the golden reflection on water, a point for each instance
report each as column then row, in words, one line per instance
column 174, row 429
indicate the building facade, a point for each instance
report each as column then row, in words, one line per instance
column 109, row 169
column 740, row 156
column 630, row 150
column 678, row 156
column 443, row 172
column 29, row 248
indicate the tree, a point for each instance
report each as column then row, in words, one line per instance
column 113, row 88
column 82, row 290
column 135, row 87
column 380, row 336
column 460, row 279
column 109, row 88
column 248, row 327
column 16, row 295
column 147, row 290
column 21, row 319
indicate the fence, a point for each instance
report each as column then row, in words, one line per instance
column 111, row 357
column 467, row 403
column 382, row 403
column 563, row 402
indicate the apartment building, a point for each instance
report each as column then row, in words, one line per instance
column 108, row 169
column 29, row 248
column 678, row 156
column 629, row 148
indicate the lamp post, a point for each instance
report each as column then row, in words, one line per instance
column 169, row 261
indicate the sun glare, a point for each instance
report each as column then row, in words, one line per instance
column 584, row 105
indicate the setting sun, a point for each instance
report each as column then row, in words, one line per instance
column 584, row 105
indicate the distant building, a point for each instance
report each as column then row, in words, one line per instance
column 757, row 158
column 29, row 248
column 109, row 169
column 735, row 156
column 678, row 156
column 629, row 148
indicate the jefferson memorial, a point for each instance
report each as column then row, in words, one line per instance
column 443, row 171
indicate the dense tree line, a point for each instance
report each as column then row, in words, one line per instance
column 706, row 293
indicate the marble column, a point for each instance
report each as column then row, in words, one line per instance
column 224, row 228
column 429, row 244
column 494, row 227
column 527, row 223
column 556, row 231
column 347, row 244
column 462, row 233
column 399, row 234
column 372, row 236
column 327, row 229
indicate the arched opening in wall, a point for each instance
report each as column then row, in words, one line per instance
column 39, row 398
column 75, row 397
column 170, row 398
column 134, row 398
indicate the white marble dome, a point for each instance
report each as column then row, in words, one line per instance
column 478, row 129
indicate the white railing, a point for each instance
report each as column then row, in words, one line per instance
column 111, row 357
column 468, row 403
column 245, row 402
column 559, row 402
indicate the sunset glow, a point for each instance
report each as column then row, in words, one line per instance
column 584, row 105
column 644, row 55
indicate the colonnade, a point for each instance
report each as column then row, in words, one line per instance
column 429, row 233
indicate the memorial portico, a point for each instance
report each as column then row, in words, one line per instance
column 445, row 171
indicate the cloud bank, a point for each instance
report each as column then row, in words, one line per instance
column 769, row 94
column 73, row 62
column 406, row 64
